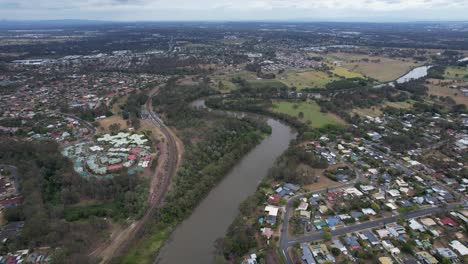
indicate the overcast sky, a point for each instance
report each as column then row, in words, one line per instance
column 313, row 10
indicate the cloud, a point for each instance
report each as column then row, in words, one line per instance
column 233, row 9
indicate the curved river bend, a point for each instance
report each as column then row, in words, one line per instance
column 193, row 240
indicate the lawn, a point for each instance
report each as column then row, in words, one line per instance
column 311, row 113
column 456, row 73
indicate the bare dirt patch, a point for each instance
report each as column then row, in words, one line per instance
column 105, row 123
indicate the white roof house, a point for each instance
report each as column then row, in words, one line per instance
column 393, row 193
column 272, row 210
column 459, row 247
column 390, row 247
column 382, row 233
column 415, row 225
column 367, row 188
column 353, row 191
column 302, row 206
column 368, row 211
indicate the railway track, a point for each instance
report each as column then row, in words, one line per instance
column 158, row 187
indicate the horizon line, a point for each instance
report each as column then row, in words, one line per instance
column 298, row 20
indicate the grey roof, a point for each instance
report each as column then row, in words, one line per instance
column 307, row 255
column 372, row 238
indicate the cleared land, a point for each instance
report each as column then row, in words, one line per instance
column 319, row 181
column 311, row 113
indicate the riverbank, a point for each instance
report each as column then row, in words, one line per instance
column 213, row 145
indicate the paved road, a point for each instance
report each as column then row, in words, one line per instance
column 370, row 224
column 317, row 236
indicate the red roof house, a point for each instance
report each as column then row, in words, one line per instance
column 449, row 221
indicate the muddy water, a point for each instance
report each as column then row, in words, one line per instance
column 193, row 240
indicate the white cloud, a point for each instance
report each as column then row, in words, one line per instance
column 233, row 9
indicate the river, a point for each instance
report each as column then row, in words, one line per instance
column 193, row 240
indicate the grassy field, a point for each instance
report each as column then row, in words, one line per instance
column 377, row 110
column 146, row 248
column 376, row 67
column 400, row 105
column 341, row 71
column 373, row 112
column 456, row 73
column 311, row 113
column 115, row 119
column 307, row 79
column 315, row 78
column 456, row 95
column 226, row 85
column 260, row 84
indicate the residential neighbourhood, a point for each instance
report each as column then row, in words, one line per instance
column 251, row 142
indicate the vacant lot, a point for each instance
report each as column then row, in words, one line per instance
column 321, row 183
column 311, row 111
